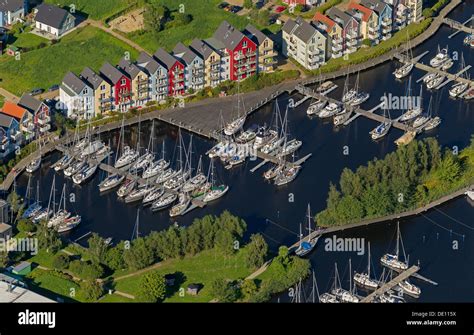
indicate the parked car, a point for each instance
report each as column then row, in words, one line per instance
column 36, row 91
column 235, row 9
column 259, row 4
column 223, row 5
column 280, row 9
column 53, row 88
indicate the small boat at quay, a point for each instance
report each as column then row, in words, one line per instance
column 183, row 203
column 441, row 57
column 349, row 96
column 307, row 243
column 469, row 94
column 155, row 168
column 264, row 136
column 341, row 118
column 201, row 190
column 34, row 165
column 142, row 162
column 360, row 98
column 273, row 171
column 403, row 71
column 364, row 279
column 410, row 289
column 74, row 168
column 63, row 162
column 247, row 136
column 235, row 126
column 111, row 182
column 32, row 210
column 447, row 65
column 392, row 261
column 270, row 147
column 85, row 175
column 421, row 120
column 330, row 110
column 177, row 181
column 290, row 147
column 215, row 193
column 432, row 123
column 458, row 89
column 316, row 107
column 429, row 77
column 69, row 224
column 434, row 83
column 92, row 148
column 154, row 194
column 165, row 201
column 328, row 298
column 287, row 175
column 196, row 181
column 126, row 188
column 166, row 175
column 326, row 87
column 138, row 194
column 128, row 157
column 381, row 130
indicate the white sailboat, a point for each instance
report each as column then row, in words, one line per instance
column 236, row 125
column 406, row 68
column 217, row 190
column 127, row 154
column 307, row 243
column 382, row 129
column 364, row 279
column 412, row 111
column 392, row 261
column 35, row 164
column 345, row 296
column 433, row 122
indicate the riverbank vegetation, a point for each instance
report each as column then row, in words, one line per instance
column 410, row 177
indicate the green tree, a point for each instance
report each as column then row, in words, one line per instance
column 248, row 4
column 48, row 239
column 4, row 259
column 114, row 257
column 61, row 262
column 450, row 168
column 97, row 248
column 155, row 16
column 225, row 242
column 152, row 287
column 92, row 271
column 427, row 13
column 223, row 290
column 139, row 255
column 249, row 289
column 91, row 290
column 257, row 250
column 25, row 225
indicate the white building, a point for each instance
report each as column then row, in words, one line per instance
column 11, row 11
column 304, row 43
column 76, row 97
column 53, row 20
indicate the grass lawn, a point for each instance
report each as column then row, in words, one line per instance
column 200, row 269
column 2, row 100
column 52, row 286
column 45, row 67
column 43, row 258
column 95, row 9
column 115, row 298
column 27, row 40
column 206, row 19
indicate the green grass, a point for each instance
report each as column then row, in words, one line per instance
column 95, row 9
column 27, row 40
column 206, row 19
column 52, row 286
column 45, row 67
column 202, row 269
column 115, row 298
column 43, row 258
column 2, row 100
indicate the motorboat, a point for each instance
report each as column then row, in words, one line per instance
column 34, row 165
column 441, row 57
column 247, row 136
column 164, row 201
column 111, row 182
column 264, row 136
column 326, row 87
column 330, row 110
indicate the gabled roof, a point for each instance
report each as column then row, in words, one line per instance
column 111, row 73
column 215, row 44
column 129, row 68
column 201, row 48
column 11, row 109
column 93, row 79
column 339, row 16
column 148, row 63
column 305, row 31
column 366, row 12
column 74, row 83
column 289, row 26
column 376, row 5
column 167, row 60
column 6, row 121
column 228, row 35
column 11, row 5
column 51, row 15
column 325, row 21
column 184, row 53
column 254, row 34
column 30, row 103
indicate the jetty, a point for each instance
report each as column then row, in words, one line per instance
column 459, row 26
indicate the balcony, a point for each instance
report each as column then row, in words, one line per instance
column 352, row 34
column 45, row 128
column 351, row 43
column 336, row 48
column 337, row 54
column 337, row 40
column 350, row 50
column 401, row 19
column 44, row 120
column 269, row 54
column 386, row 37
column 386, row 30
column 4, row 143
column 179, row 79
column 27, row 127
column 16, row 136
column 238, row 57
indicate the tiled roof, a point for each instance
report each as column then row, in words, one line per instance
column 74, row 83
column 228, row 35
column 92, row 78
column 366, row 12
column 29, row 102
column 111, row 73
column 11, row 109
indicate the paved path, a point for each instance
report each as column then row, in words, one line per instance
column 108, row 30
column 9, row 96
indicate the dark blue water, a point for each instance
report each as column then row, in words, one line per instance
column 430, row 242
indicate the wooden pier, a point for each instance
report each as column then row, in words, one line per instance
column 459, row 26
column 391, row 284
column 368, row 114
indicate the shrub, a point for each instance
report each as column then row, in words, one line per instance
column 61, row 262
column 91, row 290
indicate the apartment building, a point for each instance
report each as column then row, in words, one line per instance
column 138, row 80
column 266, row 49
column 384, row 12
column 368, row 19
column 157, row 77
column 212, row 62
column 334, row 35
column 77, row 97
column 174, row 70
column 193, row 67
column 121, row 86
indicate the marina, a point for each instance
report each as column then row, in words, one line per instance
column 255, row 199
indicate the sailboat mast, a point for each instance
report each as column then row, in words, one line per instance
column 309, row 223
column 398, row 239
column 368, row 263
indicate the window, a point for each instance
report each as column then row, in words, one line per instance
column 244, row 45
column 102, row 88
column 123, row 81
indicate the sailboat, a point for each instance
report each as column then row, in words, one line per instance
column 360, row 96
column 63, row 220
column 460, row 87
column 166, row 200
column 291, row 146
column 155, row 193
column 147, row 158
column 410, row 289
column 382, row 129
column 197, row 180
column 35, row 164
column 342, row 294
column 392, row 261
column 363, row 279
column 112, row 180
column 413, row 111
column 183, row 203
column 423, row 119
column 216, row 191
column 236, row 125
column 183, row 173
column 83, row 176
column 342, row 117
column 35, row 207
column 157, row 167
column 275, row 143
column 406, row 68
column 307, row 243
column 348, row 94
column 127, row 154
column 441, row 57
column 433, row 122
